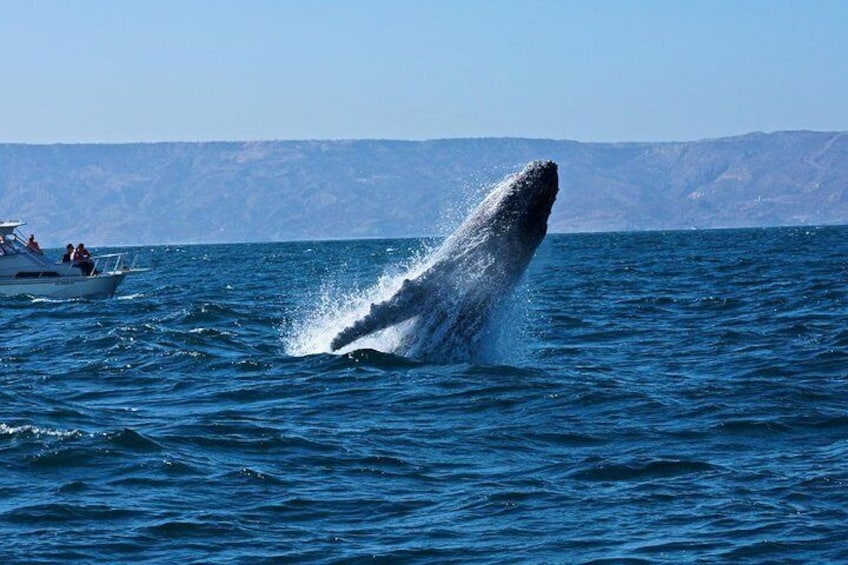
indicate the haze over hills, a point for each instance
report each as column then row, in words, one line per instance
column 151, row 193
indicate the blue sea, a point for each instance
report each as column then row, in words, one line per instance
column 675, row 397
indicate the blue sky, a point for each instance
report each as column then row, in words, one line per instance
column 198, row 70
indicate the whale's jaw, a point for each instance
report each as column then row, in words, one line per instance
column 451, row 302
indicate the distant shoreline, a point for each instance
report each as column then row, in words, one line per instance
column 366, row 189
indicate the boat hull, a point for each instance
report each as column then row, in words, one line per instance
column 63, row 287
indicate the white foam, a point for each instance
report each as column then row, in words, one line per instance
column 29, row 430
column 334, row 309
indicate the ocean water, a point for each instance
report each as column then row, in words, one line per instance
column 648, row 398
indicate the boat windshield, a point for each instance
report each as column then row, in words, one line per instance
column 12, row 244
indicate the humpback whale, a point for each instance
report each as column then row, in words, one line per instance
column 445, row 309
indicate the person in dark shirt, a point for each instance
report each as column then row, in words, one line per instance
column 69, row 250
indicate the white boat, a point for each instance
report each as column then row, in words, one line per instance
column 25, row 271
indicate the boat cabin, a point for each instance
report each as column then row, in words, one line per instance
column 19, row 261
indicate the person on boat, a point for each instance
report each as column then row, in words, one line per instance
column 82, row 259
column 33, row 245
column 69, row 251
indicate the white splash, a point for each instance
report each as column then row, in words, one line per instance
column 334, row 309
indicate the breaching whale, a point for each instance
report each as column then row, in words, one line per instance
column 446, row 308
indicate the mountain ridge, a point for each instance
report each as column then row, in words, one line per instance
column 228, row 191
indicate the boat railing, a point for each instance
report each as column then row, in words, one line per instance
column 113, row 263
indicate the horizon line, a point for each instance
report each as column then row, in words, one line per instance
column 400, row 140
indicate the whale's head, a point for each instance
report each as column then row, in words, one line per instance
column 513, row 218
column 527, row 201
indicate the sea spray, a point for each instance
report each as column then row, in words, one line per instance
column 335, row 306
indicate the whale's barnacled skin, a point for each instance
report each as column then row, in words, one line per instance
column 451, row 301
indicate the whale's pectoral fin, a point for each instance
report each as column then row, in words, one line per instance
column 403, row 305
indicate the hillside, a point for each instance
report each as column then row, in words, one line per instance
column 283, row 190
